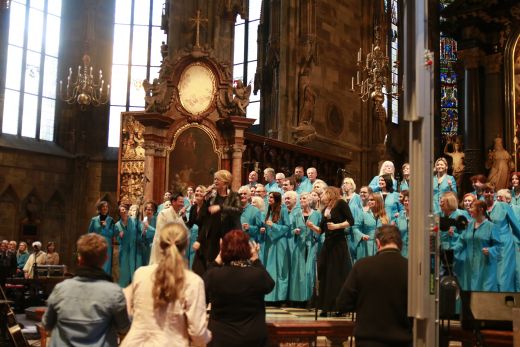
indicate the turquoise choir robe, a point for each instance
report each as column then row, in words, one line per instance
column 392, row 205
column 252, row 216
column 439, row 189
column 515, row 198
column 107, row 232
column 305, row 186
column 404, row 185
column 366, row 225
column 402, row 224
column 145, row 240
column 478, row 272
column 507, row 225
column 447, row 240
column 314, row 242
column 298, row 279
column 272, row 187
column 374, row 184
column 127, row 250
column 190, row 252
column 356, row 207
column 516, row 211
column 277, row 256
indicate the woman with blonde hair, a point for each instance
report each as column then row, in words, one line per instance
column 334, row 260
column 166, row 300
column 387, row 168
column 366, row 225
column 442, row 183
column 196, row 213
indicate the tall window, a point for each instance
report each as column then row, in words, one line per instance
column 245, row 54
column 449, row 96
column 392, row 102
column 32, row 65
column 137, row 56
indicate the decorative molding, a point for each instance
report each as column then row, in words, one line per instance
column 471, row 57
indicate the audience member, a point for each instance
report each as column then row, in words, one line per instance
column 37, row 257
column 51, row 256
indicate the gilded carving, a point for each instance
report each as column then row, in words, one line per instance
column 132, row 161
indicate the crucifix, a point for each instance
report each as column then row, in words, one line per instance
column 198, row 21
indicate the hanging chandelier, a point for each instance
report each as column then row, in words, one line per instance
column 85, row 90
column 5, row 4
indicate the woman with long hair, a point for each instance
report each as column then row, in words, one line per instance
column 405, row 182
column 390, row 197
column 442, row 183
column 515, row 188
column 314, row 240
column 236, row 290
column 366, row 225
column 147, row 228
column 51, row 256
column 477, row 251
column 166, row 300
column 334, row 262
column 103, row 225
column 387, row 168
column 223, row 215
column 126, row 230
column 276, row 229
column 402, row 222
column 197, row 213
column 467, row 200
column 22, row 255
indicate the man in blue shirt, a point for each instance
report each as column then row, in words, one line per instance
column 87, row 310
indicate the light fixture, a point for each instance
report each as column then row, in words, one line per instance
column 372, row 76
column 5, row 4
column 85, row 90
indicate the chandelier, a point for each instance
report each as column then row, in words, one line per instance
column 372, row 76
column 5, row 4
column 85, row 90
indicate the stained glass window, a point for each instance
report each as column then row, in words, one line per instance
column 392, row 101
column 137, row 56
column 31, row 72
column 448, row 81
column 245, row 54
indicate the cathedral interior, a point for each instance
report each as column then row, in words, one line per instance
column 295, row 69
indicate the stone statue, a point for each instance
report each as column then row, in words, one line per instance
column 241, row 95
column 155, row 94
column 308, row 99
column 457, row 157
column 500, row 164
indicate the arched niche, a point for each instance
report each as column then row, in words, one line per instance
column 192, row 158
column 512, row 95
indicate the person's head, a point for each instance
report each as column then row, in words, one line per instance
column 406, row 199
column 133, row 211
column 388, row 236
column 312, row 174
column 102, row 207
column 36, row 246
column 387, row 168
column 305, row 200
column 177, row 200
column 222, row 179
column 386, row 183
column 290, row 198
column 252, row 190
column 260, row 190
column 167, row 196
column 489, row 192
column 318, row 186
column 348, row 185
column 441, row 166
column 448, row 203
column 467, row 200
column 275, row 199
column 235, row 246
column 364, row 193
column 3, row 245
column 12, row 246
column 269, row 174
column 92, row 250
column 279, row 178
column 245, row 195
column 149, row 209
column 478, row 182
column 477, row 209
column 504, row 195
column 253, row 177
column 299, row 172
column 167, row 204
column 258, row 202
column 22, row 247
column 330, row 196
column 376, row 203
column 288, row 184
column 123, row 211
column 170, row 273
column 406, row 170
column 189, row 191
column 51, row 247
column 515, row 179
column 314, row 199
column 198, row 196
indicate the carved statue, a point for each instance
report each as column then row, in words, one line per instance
column 241, row 96
column 457, row 157
column 155, row 94
column 308, row 99
column 500, row 163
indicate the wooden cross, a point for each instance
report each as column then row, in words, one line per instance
column 198, row 21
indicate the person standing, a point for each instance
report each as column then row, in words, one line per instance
column 377, row 290
column 37, row 257
column 87, row 310
column 127, row 230
column 103, row 225
column 442, row 183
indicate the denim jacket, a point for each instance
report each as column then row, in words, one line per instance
column 86, row 312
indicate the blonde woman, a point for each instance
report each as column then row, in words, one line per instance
column 366, row 225
column 166, row 300
column 387, row 168
column 442, row 183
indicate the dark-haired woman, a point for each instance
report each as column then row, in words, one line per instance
column 390, row 197
column 236, row 290
column 276, row 230
column 103, row 225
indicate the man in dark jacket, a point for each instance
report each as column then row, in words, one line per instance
column 377, row 290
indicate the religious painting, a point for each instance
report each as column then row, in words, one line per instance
column 193, row 159
column 516, row 99
column 197, row 88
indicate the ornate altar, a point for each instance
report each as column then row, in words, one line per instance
column 193, row 125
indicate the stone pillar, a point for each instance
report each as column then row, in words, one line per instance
column 472, row 111
column 240, row 124
column 494, row 121
column 149, row 172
